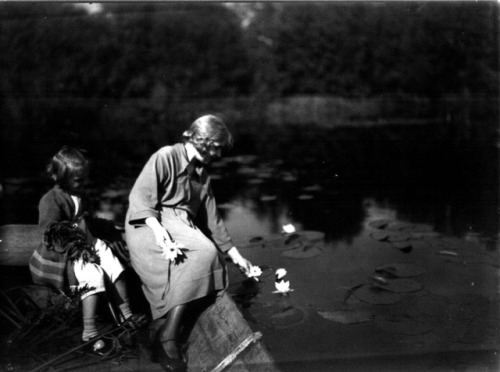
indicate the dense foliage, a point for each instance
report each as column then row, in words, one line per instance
column 364, row 49
column 132, row 73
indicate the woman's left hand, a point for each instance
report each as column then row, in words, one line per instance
column 240, row 261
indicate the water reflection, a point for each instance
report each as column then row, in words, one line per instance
column 326, row 180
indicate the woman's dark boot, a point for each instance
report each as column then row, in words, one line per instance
column 169, row 355
column 166, row 350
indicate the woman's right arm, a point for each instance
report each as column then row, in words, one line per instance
column 144, row 197
column 161, row 235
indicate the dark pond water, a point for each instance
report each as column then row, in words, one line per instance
column 326, row 180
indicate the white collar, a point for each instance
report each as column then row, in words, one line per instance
column 191, row 151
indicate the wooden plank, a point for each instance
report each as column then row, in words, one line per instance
column 217, row 333
column 17, row 243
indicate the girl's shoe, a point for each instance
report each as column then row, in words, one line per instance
column 102, row 346
column 135, row 321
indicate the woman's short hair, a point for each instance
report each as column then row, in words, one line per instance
column 66, row 163
column 210, row 127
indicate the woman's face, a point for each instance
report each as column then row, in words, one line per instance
column 208, row 150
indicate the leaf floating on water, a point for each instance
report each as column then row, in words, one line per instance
column 305, row 197
column 374, row 295
column 289, row 317
column 407, row 327
column 313, row 236
column 401, row 269
column 255, row 181
column 267, row 198
column 347, row 316
column 425, row 235
column 399, row 237
column 421, row 228
column 303, row 252
column 401, row 285
column 312, row 188
column 402, row 245
column 256, row 239
column 399, row 226
column 380, row 235
column 441, row 245
column 448, row 253
column 379, row 224
column 293, row 237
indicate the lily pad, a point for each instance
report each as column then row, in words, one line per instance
column 407, row 327
column 268, row 198
column 313, row 236
column 379, row 224
column 399, row 237
column 256, row 239
column 302, row 252
column 292, row 238
column 400, row 285
column 288, row 317
column 305, row 197
column 402, row 245
column 380, row 235
column 399, row 226
column 375, row 295
column 347, row 316
column 442, row 245
column 421, row 228
column 425, row 235
column 402, row 269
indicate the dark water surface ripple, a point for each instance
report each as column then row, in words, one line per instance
column 326, row 180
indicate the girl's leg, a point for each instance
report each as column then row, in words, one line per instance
column 121, row 298
column 92, row 277
column 89, row 309
column 114, row 270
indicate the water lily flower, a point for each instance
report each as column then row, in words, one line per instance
column 255, row 272
column 172, row 250
column 289, row 228
column 280, row 274
column 282, row 287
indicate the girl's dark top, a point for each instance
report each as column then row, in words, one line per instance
column 56, row 205
column 49, row 267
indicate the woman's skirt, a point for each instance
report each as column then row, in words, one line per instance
column 167, row 284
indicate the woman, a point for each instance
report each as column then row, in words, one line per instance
column 176, row 261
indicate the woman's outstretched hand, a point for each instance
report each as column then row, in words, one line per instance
column 245, row 266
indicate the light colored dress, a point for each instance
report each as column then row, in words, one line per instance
column 185, row 206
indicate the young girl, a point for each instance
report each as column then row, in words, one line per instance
column 66, row 201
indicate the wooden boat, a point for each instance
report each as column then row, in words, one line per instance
column 220, row 338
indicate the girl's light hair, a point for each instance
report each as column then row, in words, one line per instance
column 68, row 162
column 210, row 127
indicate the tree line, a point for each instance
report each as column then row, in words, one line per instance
column 131, row 71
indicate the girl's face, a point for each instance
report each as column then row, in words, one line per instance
column 77, row 181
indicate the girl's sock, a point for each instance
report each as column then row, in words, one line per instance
column 89, row 328
column 125, row 310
